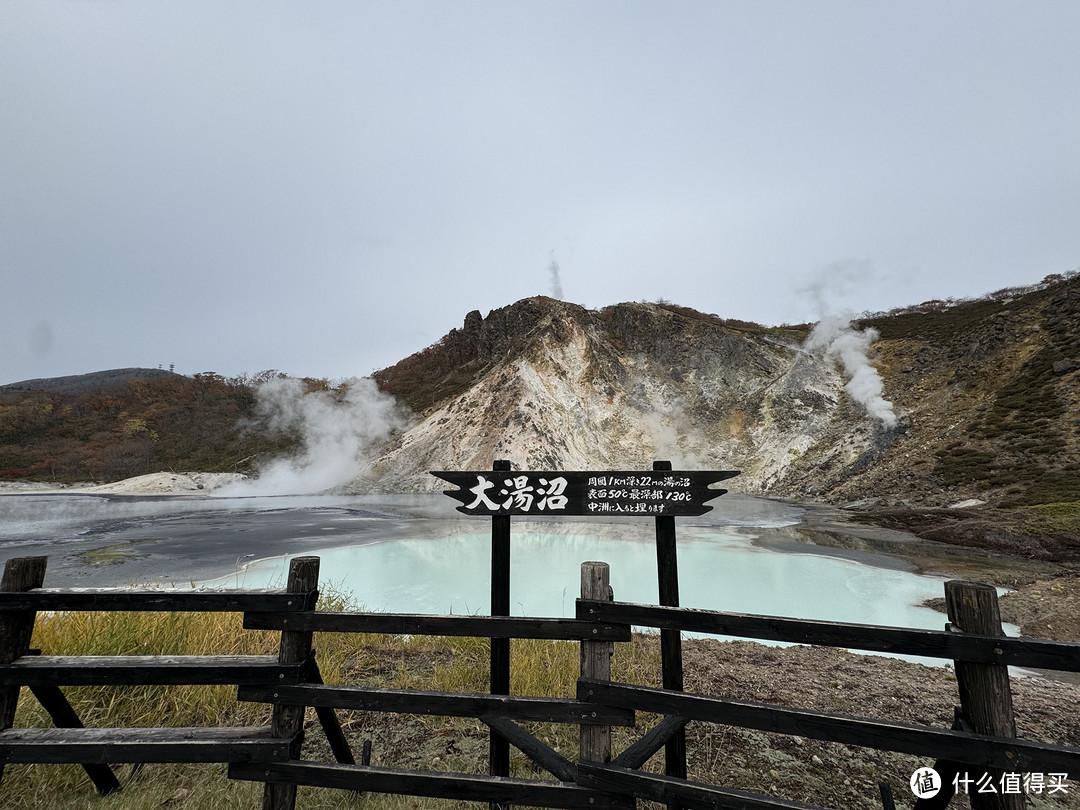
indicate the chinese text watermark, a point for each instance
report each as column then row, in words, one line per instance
column 926, row 783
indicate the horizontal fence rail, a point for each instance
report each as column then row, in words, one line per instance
column 1021, row 652
column 158, row 670
column 110, row 599
column 905, row 738
column 444, row 704
column 420, row 624
column 108, row 745
column 444, row 785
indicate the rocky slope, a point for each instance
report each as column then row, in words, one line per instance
column 985, row 394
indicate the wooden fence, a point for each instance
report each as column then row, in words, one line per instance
column 21, row 597
column 983, row 736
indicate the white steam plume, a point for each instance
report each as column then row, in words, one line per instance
column 338, row 433
column 832, row 284
column 834, row 338
column 675, row 438
column 556, row 282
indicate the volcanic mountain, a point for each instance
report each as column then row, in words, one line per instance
column 984, row 393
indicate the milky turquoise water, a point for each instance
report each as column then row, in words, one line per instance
column 719, row 569
column 414, row 554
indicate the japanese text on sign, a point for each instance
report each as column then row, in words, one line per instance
column 547, row 494
column 635, row 494
column 584, row 493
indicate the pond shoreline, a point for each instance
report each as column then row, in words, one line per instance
column 116, row 554
column 112, row 553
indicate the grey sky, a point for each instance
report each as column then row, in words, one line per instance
column 326, row 187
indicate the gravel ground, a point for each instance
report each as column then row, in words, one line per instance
column 831, row 680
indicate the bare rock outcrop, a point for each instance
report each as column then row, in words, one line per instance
column 981, row 397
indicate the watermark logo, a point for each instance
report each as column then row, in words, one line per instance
column 925, row 783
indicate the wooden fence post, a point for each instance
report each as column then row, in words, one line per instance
column 16, row 627
column 595, row 741
column 985, row 693
column 288, row 721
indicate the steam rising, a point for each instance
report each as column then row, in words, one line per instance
column 556, row 282
column 675, row 437
column 338, row 435
column 834, row 338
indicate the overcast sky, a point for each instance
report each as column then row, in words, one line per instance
column 326, row 187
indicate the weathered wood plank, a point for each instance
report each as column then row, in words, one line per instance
column 985, row 692
column 100, row 745
column 21, row 574
column 470, row 787
column 971, row 749
column 147, row 599
column 17, row 626
column 414, row 624
column 671, row 660
column 113, row 670
column 295, row 648
column 987, row 649
column 64, row 716
column 329, row 721
column 445, row 704
column 687, row 794
column 499, row 648
column 948, row 771
column 543, row 755
column 887, row 800
column 640, row 752
column 594, row 741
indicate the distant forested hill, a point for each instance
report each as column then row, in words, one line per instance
column 115, row 424
column 87, row 383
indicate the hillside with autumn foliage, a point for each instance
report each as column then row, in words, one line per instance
column 108, row 430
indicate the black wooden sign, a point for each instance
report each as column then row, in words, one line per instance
column 595, row 494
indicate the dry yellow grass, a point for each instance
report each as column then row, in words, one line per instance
column 441, row 664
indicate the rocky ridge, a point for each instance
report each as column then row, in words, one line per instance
column 985, row 392
column 556, row 386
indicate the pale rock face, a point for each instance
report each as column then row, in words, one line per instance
column 591, row 395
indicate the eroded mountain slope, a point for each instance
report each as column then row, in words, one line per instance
column 555, row 386
column 985, row 393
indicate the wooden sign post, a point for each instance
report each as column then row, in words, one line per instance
column 662, row 494
column 671, row 668
column 498, row 747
